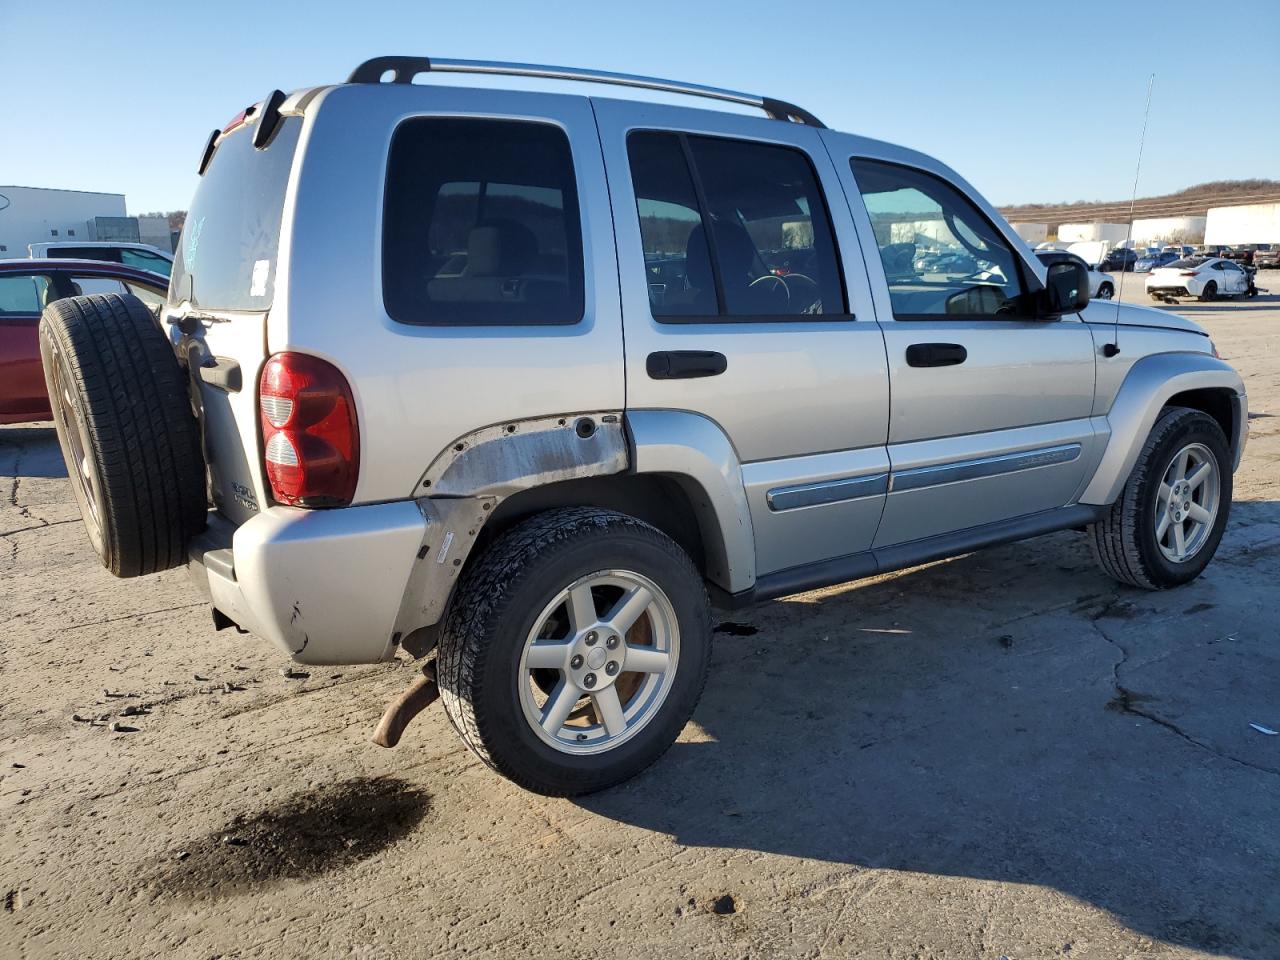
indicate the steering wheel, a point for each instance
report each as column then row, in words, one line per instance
column 776, row 279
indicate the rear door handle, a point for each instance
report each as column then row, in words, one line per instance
column 685, row 364
column 936, row 354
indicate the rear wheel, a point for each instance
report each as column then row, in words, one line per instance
column 1106, row 291
column 1210, row 291
column 124, row 421
column 575, row 650
column 1166, row 525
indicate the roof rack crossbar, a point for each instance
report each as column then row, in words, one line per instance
column 404, row 69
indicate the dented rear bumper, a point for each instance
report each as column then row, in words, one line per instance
column 337, row 586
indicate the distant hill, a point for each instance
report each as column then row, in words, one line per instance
column 1191, row 202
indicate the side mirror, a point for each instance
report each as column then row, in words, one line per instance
column 1066, row 290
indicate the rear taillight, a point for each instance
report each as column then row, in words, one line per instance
column 1188, row 273
column 310, row 440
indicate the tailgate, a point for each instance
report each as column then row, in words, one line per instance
column 222, row 288
column 225, row 357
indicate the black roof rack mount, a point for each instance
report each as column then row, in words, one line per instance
column 404, row 69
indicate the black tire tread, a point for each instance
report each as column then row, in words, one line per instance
column 1114, row 538
column 483, row 592
column 145, row 440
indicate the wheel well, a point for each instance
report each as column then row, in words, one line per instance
column 1214, row 401
column 654, row 498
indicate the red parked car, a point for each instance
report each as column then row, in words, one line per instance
column 26, row 287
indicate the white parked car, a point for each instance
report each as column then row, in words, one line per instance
column 1102, row 286
column 141, row 255
column 1203, row 277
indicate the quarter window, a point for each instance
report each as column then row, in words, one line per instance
column 942, row 257
column 732, row 229
column 482, row 224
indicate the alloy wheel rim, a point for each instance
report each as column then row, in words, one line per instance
column 80, row 466
column 599, row 662
column 1187, row 503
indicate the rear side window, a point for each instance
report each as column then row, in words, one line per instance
column 226, row 256
column 732, row 228
column 481, row 224
column 108, row 254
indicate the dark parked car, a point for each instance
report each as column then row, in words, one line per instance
column 1153, row 261
column 1121, row 258
column 26, row 288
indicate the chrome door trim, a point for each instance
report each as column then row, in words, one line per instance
column 827, row 491
column 920, row 477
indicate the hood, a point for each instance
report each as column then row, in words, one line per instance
column 1134, row 315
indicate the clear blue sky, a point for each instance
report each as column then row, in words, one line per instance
column 1029, row 100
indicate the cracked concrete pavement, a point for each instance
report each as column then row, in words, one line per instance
column 1004, row 755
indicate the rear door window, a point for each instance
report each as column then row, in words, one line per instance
column 732, row 228
column 482, row 224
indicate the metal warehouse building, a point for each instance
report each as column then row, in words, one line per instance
column 1251, row 223
column 1168, row 230
column 40, row 215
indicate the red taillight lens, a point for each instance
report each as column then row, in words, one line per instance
column 310, row 441
column 1188, row 273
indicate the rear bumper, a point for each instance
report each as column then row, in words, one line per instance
column 330, row 586
column 1169, row 291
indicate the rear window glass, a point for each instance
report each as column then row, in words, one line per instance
column 1187, row 262
column 481, row 224
column 226, row 256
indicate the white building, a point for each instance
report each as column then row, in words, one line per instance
column 1251, row 223
column 37, row 215
column 1113, row 233
column 1162, row 230
column 1033, row 233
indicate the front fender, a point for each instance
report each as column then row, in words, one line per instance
column 695, row 452
column 1147, row 388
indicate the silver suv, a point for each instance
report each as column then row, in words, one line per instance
column 519, row 378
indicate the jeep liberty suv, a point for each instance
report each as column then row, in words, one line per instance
column 528, row 379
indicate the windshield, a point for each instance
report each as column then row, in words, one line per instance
column 226, row 256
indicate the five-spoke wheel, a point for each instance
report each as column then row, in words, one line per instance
column 575, row 649
column 599, row 661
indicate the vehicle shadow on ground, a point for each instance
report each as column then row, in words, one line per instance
column 894, row 737
column 30, row 452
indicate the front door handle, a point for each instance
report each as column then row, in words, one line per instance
column 936, row 354
column 685, row 364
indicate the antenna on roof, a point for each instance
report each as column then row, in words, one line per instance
column 1113, row 348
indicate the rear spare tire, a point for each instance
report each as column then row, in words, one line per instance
column 124, row 421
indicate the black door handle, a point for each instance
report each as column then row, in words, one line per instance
column 936, row 354
column 685, row 364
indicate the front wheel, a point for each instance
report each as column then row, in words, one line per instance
column 1106, row 292
column 575, row 650
column 1166, row 525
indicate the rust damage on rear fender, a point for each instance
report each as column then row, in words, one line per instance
column 508, row 457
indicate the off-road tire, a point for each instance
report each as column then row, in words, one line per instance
column 492, row 613
column 1124, row 540
column 129, row 407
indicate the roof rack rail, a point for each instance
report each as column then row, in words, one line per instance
column 404, row 69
